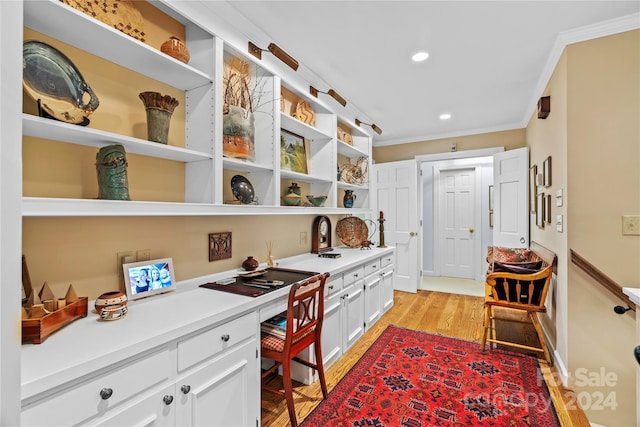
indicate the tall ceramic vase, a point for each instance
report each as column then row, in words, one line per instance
column 159, row 110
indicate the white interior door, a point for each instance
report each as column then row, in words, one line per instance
column 511, row 198
column 397, row 196
column 458, row 223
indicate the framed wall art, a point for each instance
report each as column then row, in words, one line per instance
column 546, row 172
column 533, row 188
column 293, row 152
column 540, row 210
column 219, row 246
column 547, row 209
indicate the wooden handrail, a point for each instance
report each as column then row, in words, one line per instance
column 601, row 278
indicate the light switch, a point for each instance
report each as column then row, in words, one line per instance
column 559, row 223
column 559, row 197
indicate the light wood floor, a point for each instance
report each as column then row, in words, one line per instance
column 453, row 315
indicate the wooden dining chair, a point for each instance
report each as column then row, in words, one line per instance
column 517, row 292
column 305, row 313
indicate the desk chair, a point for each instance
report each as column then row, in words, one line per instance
column 523, row 292
column 305, row 312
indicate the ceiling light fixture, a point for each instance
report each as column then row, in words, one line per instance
column 445, row 116
column 420, row 56
column 277, row 52
column 332, row 93
column 373, row 126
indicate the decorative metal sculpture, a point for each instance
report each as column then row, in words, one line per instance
column 111, row 166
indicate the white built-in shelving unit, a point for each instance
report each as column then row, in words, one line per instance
column 207, row 170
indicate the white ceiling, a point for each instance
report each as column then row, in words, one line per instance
column 489, row 60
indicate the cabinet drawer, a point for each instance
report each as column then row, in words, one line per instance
column 386, row 260
column 372, row 267
column 95, row 396
column 207, row 344
column 351, row 276
column 333, row 285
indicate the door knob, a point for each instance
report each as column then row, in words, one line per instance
column 471, row 230
column 413, row 233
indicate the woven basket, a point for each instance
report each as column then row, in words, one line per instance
column 352, row 231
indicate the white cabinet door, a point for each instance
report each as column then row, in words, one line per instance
column 332, row 328
column 372, row 299
column 386, row 277
column 354, row 313
column 224, row 392
column 158, row 409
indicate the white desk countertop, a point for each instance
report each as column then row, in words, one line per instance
column 88, row 345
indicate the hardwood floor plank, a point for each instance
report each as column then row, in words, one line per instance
column 452, row 315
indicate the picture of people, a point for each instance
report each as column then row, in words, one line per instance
column 149, row 277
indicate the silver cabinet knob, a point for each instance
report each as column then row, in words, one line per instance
column 106, row 393
column 522, row 240
column 225, row 337
column 185, row 389
column 167, row 399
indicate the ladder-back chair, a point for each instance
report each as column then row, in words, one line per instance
column 305, row 313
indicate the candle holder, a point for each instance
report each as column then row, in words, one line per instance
column 381, row 220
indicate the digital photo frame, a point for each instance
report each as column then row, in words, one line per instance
column 146, row 278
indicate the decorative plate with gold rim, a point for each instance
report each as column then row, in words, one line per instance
column 352, row 231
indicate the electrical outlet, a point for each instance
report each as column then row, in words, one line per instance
column 143, row 255
column 631, row 225
column 124, row 257
column 303, row 237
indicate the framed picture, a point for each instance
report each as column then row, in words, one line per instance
column 540, row 210
column 546, row 172
column 491, row 198
column 293, row 153
column 547, row 209
column 219, row 246
column 146, row 278
column 533, row 188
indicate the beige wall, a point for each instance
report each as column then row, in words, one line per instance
column 593, row 136
column 508, row 139
column 603, row 152
column 82, row 251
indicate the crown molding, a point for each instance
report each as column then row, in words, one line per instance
column 577, row 35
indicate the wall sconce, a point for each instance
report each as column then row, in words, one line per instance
column 373, row 126
column 332, row 93
column 544, row 107
column 277, row 52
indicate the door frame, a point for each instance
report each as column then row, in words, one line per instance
column 428, row 158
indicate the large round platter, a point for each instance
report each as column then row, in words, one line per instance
column 352, row 231
column 242, row 189
column 51, row 79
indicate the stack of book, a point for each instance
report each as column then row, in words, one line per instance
column 276, row 326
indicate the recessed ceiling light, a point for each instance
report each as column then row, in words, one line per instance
column 419, row 57
column 445, row 116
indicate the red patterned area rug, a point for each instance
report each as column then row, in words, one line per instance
column 416, row 379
